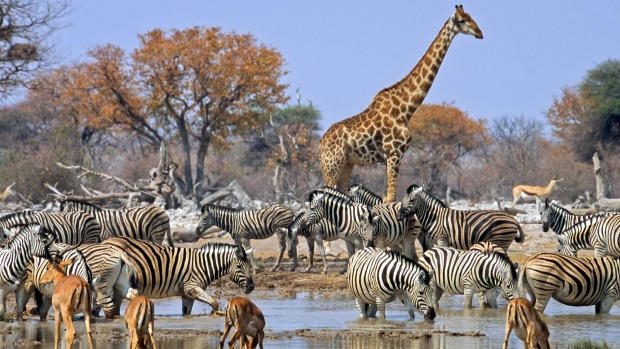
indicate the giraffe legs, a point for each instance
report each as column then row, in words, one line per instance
column 392, row 167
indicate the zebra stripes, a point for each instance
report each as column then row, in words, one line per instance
column 389, row 231
column 149, row 223
column 560, row 219
column 377, row 277
column 69, row 227
column 352, row 220
column 459, row 229
column 469, row 272
column 605, row 237
column 247, row 225
column 161, row 271
column 319, row 232
column 571, row 281
column 31, row 240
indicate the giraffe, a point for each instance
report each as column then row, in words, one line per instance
column 380, row 133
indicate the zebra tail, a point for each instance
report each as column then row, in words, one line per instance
column 520, row 238
column 169, row 237
column 141, row 314
column 522, row 283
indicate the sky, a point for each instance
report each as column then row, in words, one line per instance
column 340, row 53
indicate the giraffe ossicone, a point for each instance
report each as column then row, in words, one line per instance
column 380, row 133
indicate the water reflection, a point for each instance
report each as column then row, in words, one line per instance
column 336, row 322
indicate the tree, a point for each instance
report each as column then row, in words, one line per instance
column 25, row 29
column 442, row 135
column 196, row 87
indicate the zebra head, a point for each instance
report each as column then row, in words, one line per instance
column 241, row 271
column 41, row 245
column 291, row 236
column 422, row 294
column 206, row 219
column 545, row 212
column 315, row 210
column 508, row 275
column 367, row 225
column 410, row 202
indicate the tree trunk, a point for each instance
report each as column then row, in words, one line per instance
column 600, row 181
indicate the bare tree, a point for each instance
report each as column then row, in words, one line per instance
column 26, row 27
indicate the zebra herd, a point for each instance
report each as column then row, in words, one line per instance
column 121, row 252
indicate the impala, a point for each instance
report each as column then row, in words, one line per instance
column 249, row 322
column 529, row 327
column 72, row 294
column 140, row 321
column 529, row 192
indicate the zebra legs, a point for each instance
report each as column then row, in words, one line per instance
column 319, row 242
column 605, row 305
column 192, row 292
column 282, row 242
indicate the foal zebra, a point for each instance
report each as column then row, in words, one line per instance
column 571, row 280
column 377, row 277
column 389, row 231
column 469, row 272
column 69, row 227
column 161, row 271
column 149, row 223
column 319, row 232
column 352, row 220
column 31, row 240
column 244, row 226
column 459, row 229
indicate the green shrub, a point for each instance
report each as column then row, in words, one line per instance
column 587, row 343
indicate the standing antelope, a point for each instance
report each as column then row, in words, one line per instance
column 140, row 321
column 249, row 322
column 72, row 294
column 529, row 327
column 530, row 192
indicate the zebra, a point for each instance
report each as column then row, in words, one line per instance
column 324, row 230
column 560, row 219
column 468, row 272
column 352, row 220
column 377, row 277
column 145, row 223
column 31, row 240
column 389, row 230
column 574, row 232
column 605, row 237
column 109, row 263
column 460, row 229
column 576, row 281
column 246, row 225
column 161, row 271
column 69, row 227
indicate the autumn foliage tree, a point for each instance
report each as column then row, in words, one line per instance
column 195, row 88
column 442, row 135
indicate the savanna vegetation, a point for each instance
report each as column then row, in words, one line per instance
column 218, row 100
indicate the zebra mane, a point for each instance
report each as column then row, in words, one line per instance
column 431, row 199
column 402, row 258
column 24, row 231
column 218, row 208
column 65, row 202
column 224, row 247
column 505, row 258
column 411, row 188
column 363, row 194
column 330, row 193
column 24, row 213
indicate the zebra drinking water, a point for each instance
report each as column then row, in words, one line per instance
column 469, row 272
column 149, row 223
column 377, row 277
column 247, row 225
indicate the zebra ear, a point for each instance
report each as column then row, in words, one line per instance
column 96, row 281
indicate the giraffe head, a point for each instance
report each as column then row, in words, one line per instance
column 465, row 24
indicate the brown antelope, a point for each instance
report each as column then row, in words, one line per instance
column 140, row 321
column 523, row 191
column 249, row 322
column 8, row 191
column 529, row 327
column 72, row 294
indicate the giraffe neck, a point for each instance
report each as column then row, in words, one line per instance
column 414, row 87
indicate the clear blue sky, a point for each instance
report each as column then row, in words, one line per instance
column 341, row 53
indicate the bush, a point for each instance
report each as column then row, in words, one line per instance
column 587, row 343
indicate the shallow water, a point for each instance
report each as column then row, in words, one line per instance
column 306, row 311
